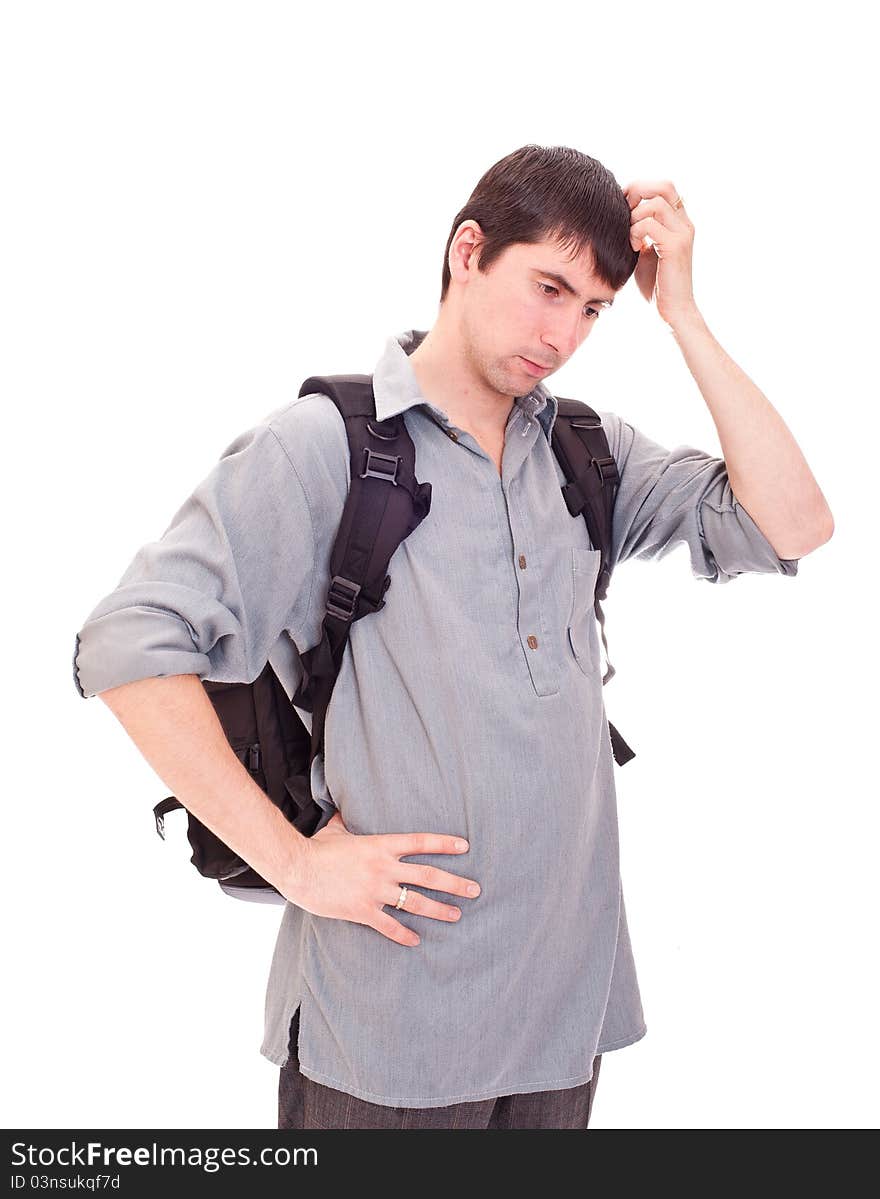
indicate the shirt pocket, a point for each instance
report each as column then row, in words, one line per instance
column 581, row 630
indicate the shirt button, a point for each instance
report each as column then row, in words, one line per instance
column 522, row 561
column 452, row 433
column 533, row 642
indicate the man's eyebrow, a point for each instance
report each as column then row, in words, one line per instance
column 566, row 286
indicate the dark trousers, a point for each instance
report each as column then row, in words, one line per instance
column 304, row 1103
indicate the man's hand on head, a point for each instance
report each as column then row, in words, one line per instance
column 662, row 232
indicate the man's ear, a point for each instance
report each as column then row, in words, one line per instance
column 466, row 243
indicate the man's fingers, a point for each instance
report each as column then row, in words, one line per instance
column 436, row 879
column 420, row 905
column 404, row 844
column 389, row 927
column 643, row 189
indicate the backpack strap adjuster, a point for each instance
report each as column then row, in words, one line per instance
column 610, row 470
column 392, row 459
column 342, row 597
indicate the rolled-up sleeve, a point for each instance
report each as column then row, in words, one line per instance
column 669, row 496
column 211, row 597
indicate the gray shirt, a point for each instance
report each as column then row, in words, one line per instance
column 471, row 704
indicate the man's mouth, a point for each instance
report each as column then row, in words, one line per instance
column 535, row 368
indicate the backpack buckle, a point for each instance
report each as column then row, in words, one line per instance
column 342, row 597
column 611, row 465
column 390, row 475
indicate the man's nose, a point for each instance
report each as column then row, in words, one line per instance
column 564, row 338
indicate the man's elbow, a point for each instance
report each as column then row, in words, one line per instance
column 819, row 532
column 826, row 528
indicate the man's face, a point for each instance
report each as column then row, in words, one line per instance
column 535, row 302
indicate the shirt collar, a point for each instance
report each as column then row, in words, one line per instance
column 396, row 388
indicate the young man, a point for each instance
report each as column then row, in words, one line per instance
column 470, row 709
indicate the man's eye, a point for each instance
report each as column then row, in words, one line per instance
column 550, row 288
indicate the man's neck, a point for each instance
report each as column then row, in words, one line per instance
column 447, row 381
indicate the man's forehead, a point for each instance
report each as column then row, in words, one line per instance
column 560, row 257
column 550, row 257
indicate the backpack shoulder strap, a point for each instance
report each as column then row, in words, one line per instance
column 581, row 447
column 385, row 503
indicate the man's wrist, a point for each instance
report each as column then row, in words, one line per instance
column 295, row 868
column 685, row 320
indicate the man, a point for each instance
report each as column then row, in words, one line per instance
column 467, row 718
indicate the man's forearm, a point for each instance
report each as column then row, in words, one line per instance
column 173, row 723
column 768, row 473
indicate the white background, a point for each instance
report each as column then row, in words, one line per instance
column 206, row 203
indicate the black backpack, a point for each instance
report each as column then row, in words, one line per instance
column 385, row 503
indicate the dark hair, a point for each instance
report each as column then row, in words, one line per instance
column 551, row 192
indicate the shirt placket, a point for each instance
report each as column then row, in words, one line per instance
column 520, row 435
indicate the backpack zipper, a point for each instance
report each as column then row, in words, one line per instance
column 250, row 756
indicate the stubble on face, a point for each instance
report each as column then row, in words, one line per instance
column 503, row 375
